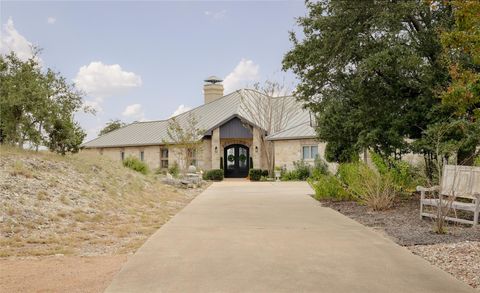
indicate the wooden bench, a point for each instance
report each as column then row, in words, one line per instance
column 459, row 190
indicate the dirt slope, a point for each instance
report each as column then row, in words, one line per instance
column 78, row 205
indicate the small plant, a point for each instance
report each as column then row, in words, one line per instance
column 136, row 165
column 300, row 172
column 320, row 167
column 255, row 174
column 19, row 169
column 215, row 175
column 265, row 173
column 476, row 161
column 42, row 195
column 160, row 171
column 328, row 187
column 174, row 170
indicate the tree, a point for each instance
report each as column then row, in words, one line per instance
column 462, row 55
column 111, row 126
column 186, row 138
column 369, row 71
column 270, row 107
column 37, row 105
column 65, row 136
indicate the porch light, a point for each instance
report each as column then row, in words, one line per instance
column 216, row 149
column 256, row 149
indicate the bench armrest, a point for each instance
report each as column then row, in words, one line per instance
column 428, row 189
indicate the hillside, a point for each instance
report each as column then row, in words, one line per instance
column 78, row 205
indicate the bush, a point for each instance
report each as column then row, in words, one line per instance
column 301, row 172
column 174, row 170
column 265, row 173
column 135, row 164
column 366, row 186
column 328, row 187
column 320, row 167
column 255, row 174
column 215, row 174
column 404, row 176
column 476, row 161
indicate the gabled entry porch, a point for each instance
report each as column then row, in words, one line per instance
column 236, row 161
column 236, row 147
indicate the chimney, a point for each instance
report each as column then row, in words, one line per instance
column 212, row 89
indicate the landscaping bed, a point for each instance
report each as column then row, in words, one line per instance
column 457, row 251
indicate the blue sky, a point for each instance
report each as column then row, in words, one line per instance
column 145, row 60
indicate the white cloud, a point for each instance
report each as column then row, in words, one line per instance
column 181, row 109
column 51, row 20
column 101, row 80
column 12, row 40
column 134, row 111
column 216, row 15
column 246, row 71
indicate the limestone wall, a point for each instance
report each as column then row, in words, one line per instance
column 289, row 151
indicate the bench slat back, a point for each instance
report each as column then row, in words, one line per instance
column 463, row 181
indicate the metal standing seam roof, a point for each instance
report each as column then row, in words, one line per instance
column 209, row 116
column 303, row 130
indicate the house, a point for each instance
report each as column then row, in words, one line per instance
column 234, row 134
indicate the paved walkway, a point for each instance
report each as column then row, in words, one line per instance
column 272, row 237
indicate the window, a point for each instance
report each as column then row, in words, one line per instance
column 310, row 152
column 141, row 156
column 122, row 155
column 192, row 154
column 164, row 158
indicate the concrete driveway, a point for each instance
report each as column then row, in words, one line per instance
column 239, row 236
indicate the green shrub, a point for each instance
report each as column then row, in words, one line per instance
column 135, row 164
column 404, row 176
column 255, row 174
column 289, row 175
column 265, row 173
column 303, row 169
column 174, row 170
column 476, row 161
column 320, row 167
column 215, row 174
column 301, row 172
column 366, row 186
column 328, row 187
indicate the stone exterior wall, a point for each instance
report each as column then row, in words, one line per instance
column 216, row 151
column 289, row 151
column 285, row 152
column 205, row 155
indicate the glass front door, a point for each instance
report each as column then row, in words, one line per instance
column 236, row 161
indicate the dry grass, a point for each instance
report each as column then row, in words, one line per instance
column 19, row 169
column 78, row 204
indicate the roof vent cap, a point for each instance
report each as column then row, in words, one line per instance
column 213, row 79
